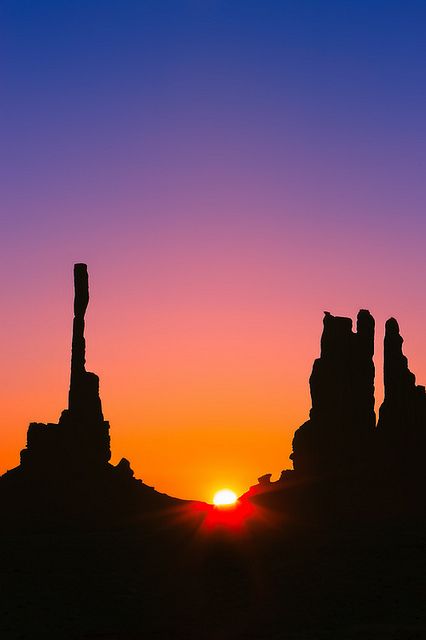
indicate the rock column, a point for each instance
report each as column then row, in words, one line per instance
column 342, row 417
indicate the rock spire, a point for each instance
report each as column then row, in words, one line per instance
column 81, row 438
column 342, row 417
column 401, row 429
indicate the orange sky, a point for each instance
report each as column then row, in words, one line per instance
column 197, row 399
column 204, row 375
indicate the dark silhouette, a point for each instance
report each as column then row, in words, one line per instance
column 65, row 474
column 333, row 549
column 81, row 439
column 346, row 469
column 401, row 428
column 401, row 432
column 342, row 417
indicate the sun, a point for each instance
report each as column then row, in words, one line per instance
column 224, row 497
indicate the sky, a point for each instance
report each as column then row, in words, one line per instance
column 228, row 169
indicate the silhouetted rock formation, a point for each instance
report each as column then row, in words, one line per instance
column 401, row 429
column 65, row 468
column 344, row 466
column 342, row 417
column 81, row 439
column 346, row 469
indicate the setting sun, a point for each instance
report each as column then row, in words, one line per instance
column 224, row 497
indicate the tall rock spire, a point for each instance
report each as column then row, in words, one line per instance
column 84, row 418
column 84, row 402
column 401, row 428
column 81, row 300
column 81, row 438
column 342, row 417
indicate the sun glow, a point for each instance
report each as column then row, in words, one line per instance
column 224, row 497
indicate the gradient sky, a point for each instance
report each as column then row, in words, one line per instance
column 228, row 170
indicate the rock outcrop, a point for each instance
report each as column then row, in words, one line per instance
column 342, row 417
column 401, row 428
